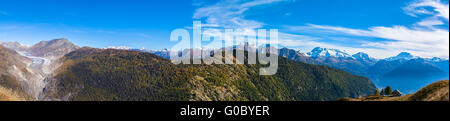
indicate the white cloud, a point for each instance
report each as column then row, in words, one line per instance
column 230, row 14
column 440, row 9
column 400, row 33
column 430, row 23
column 424, row 39
column 436, row 11
column 419, row 41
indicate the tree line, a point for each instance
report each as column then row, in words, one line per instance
column 384, row 92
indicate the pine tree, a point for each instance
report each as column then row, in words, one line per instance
column 382, row 92
column 388, row 90
column 376, row 93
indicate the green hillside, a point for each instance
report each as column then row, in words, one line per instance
column 438, row 91
column 105, row 74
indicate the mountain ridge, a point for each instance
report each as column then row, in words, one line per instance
column 206, row 82
column 32, row 65
column 379, row 71
column 356, row 64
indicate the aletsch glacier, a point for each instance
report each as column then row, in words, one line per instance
column 39, row 69
column 37, row 64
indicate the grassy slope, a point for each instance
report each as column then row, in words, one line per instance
column 95, row 74
column 438, row 91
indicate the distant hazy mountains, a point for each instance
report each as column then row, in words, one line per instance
column 59, row 70
column 406, row 72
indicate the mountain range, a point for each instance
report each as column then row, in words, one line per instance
column 60, row 70
column 405, row 72
column 36, row 71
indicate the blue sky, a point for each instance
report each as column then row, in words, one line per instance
column 381, row 28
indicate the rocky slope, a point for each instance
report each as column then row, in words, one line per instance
column 14, row 72
column 14, row 46
column 25, row 68
column 52, row 49
column 7, row 94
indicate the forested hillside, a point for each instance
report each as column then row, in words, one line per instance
column 107, row 74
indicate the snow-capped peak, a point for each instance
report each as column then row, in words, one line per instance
column 325, row 52
column 118, row 47
column 361, row 56
column 160, row 50
column 402, row 56
column 437, row 59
